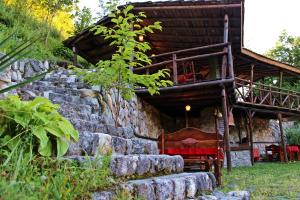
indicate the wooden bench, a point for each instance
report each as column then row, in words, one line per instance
column 200, row 150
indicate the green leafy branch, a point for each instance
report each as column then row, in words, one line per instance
column 35, row 124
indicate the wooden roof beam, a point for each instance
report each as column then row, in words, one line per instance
column 189, row 7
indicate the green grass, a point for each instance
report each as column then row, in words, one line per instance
column 265, row 180
column 46, row 179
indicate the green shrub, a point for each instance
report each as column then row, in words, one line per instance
column 293, row 135
column 33, row 127
column 62, row 52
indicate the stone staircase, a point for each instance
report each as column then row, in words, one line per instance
column 131, row 156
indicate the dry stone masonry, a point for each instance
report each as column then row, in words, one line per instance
column 134, row 150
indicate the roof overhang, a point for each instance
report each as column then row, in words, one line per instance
column 263, row 66
column 186, row 24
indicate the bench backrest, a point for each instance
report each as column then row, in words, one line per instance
column 191, row 141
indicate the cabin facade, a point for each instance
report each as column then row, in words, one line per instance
column 213, row 73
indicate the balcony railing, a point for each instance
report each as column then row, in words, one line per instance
column 194, row 65
column 266, row 95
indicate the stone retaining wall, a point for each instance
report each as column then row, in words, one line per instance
column 136, row 114
column 22, row 69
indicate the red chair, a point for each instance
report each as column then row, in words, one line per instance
column 256, row 154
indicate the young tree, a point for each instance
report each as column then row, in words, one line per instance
column 53, row 7
column 83, row 19
column 287, row 50
column 117, row 72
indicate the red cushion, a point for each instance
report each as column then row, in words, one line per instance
column 181, row 79
column 189, row 75
column 191, row 151
column 256, row 153
column 293, row 148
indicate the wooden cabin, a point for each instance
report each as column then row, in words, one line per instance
column 202, row 45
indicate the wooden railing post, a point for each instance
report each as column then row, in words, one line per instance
column 224, row 65
column 230, row 62
column 280, row 86
column 270, row 89
column 175, row 69
column 251, row 82
column 225, row 57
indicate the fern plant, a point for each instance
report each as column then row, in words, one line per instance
column 34, row 127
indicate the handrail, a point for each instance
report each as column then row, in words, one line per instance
column 181, row 59
column 266, row 95
column 190, row 49
column 268, row 90
column 264, row 85
column 179, row 64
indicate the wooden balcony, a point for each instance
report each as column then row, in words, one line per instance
column 266, row 97
column 198, row 75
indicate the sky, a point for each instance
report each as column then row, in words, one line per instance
column 264, row 21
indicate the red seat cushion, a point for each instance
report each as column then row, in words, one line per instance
column 256, row 153
column 292, row 148
column 194, row 151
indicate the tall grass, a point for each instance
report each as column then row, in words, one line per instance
column 23, row 27
column 46, row 178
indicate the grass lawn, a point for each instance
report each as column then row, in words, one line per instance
column 265, row 180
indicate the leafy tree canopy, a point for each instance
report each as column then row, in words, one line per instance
column 83, row 19
column 287, row 50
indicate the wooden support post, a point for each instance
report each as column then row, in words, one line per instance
column 226, row 127
column 249, row 114
column 226, row 25
column 163, row 141
column 175, row 69
column 75, row 62
column 283, row 145
column 251, row 83
column 217, row 163
column 247, row 129
column 225, row 57
column 186, row 119
column 238, row 121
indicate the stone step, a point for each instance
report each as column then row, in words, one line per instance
column 61, row 98
column 91, row 143
column 137, row 165
column 90, row 126
column 54, row 89
column 61, row 78
column 178, row 186
column 80, row 115
column 64, row 84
